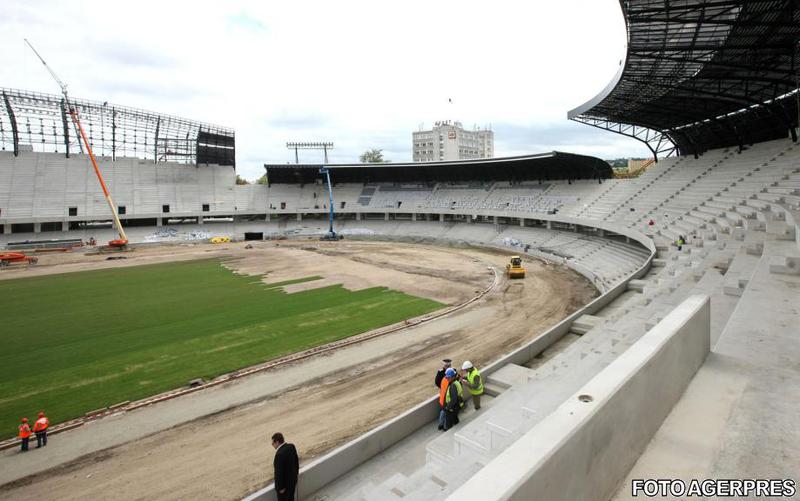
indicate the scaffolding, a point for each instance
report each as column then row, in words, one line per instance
column 32, row 121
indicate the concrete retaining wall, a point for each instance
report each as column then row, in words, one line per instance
column 586, row 447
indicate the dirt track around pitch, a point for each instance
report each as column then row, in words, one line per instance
column 226, row 455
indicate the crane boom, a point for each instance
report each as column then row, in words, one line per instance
column 60, row 84
column 73, row 113
column 52, row 73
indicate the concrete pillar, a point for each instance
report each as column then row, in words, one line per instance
column 494, row 219
column 199, row 219
column 385, row 216
column 7, row 229
column 358, row 216
column 549, row 225
column 65, row 225
column 469, row 219
column 576, row 228
column 159, row 221
column 601, row 232
column 37, row 227
column 299, row 217
column 627, row 240
column 522, row 221
column 441, row 218
column 413, row 216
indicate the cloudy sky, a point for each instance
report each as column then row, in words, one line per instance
column 363, row 74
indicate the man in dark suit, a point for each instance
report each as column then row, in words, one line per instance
column 286, row 465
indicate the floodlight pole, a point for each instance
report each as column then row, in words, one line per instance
column 324, row 146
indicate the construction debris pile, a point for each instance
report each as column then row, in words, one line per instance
column 512, row 242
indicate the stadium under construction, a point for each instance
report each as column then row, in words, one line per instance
column 681, row 365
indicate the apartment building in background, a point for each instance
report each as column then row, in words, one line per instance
column 448, row 140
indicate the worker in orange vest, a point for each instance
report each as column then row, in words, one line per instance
column 40, row 428
column 441, row 382
column 24, row 434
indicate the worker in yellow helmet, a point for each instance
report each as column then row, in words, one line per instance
column 474, row 383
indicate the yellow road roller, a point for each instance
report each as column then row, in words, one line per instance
column 514, row 269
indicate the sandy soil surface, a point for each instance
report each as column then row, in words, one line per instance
column 227, row 455
column 437, row 273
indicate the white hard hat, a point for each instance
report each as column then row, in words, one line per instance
column 467, row 365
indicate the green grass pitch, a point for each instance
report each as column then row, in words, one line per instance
column 76, row 342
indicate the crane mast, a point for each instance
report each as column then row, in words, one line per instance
column 122, row 241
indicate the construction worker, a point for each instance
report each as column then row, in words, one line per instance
column 441, row 382
column 474, row 383
column 40, row 428
column 680, row 242
column 454, row 398
column 440, row 373
column 24, row 434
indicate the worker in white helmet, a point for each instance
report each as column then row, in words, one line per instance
column 474, row 383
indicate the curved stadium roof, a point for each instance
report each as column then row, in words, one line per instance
column 540, row 167
column 703, row 74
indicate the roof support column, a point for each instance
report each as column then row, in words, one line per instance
column 65, row 122
column 13, row 120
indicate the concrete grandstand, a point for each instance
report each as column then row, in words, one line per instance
column 681, row 360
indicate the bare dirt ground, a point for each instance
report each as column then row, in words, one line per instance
column 427, row 271
column 226, row 455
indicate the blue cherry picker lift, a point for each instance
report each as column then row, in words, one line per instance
column 331, row 234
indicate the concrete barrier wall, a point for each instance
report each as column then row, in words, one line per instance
column 341, row 460
column 336, row 463
column 586, row 447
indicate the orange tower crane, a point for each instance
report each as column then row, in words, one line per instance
column 122, row 241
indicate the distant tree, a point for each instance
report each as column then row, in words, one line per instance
column 373, row 156
column 262, row 180
column 241, row 180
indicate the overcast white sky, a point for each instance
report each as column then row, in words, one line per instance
column 363, row 74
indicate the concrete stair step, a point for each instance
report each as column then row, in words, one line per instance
column 637, row 285
column 735, row 286
column 509, row 375
column 584, row 323
column 755, row 248
column 493, row 390
column 785, row 265
column 782, row 230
